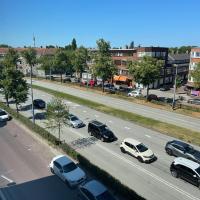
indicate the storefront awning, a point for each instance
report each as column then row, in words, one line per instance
column 121, row 78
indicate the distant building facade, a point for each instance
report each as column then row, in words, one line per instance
column 194, row 60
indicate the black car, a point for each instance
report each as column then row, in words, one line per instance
column 194, row 101
column 39, row 103
column 186, row 170
column 182, row 149
column 100, row 131
column 165, row 88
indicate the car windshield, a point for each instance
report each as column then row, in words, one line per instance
column 141, row 147
column 105, row 196
column 189, row 149
column 69, row 167
column 74, row 118
column 198, row 170
column 104, row 128
column 2, row 113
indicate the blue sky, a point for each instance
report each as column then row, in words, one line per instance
column 146, row 22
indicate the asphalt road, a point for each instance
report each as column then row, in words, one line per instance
column 24, row 172
column 158, row 114
column 152, row 181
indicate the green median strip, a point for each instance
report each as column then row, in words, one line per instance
column 162, row 127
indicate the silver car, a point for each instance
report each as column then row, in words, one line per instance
column 75, row 122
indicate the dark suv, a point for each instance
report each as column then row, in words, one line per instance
column 100, row 131
column 182, row 149
column 187, row 170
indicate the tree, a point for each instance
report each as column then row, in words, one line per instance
column 47, row 63
column 146, row 70
column 74, row 45
column 61, row 62
column 196, row 75
column 80, row 60
column 7, row 66
column 30, row 56
column 57, row 115
column 104, row 66
column 19, row 88
column 132, row 45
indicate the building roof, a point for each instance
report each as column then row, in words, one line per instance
column 40, row 51
column 195, row 49
column 175, row 57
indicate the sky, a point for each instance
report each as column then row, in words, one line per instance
column 166, row 23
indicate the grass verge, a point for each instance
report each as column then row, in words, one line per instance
column 102, row 175
column 162, row 127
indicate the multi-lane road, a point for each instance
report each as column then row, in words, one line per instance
column 24, row 172
column 152, row 181
column 158, row 114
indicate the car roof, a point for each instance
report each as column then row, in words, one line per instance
column 180, row 143
column 38, row 100
column 97, row 123
column 62, row 160
column 132, row 141
column 186, row 162
column 95, row 187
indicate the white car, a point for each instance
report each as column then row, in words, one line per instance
column 135, row 93
column 67, row 170
column 137, row 149
column 4, row 116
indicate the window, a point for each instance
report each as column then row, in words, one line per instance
column 178, row 147
column 197, row 54
column 69, row 167
column 87, row 194
column 57, row 165
column 128, row 144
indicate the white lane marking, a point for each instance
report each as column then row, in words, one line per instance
column 77, row 105
column 148, row 136
column 68, row 102
column 84, row 111
column 74, row 107
column 9, row 180
column 127, row 128
column 96, row 116
column 110, row 121
column 144, row 170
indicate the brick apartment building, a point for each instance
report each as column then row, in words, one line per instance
column 194, row 60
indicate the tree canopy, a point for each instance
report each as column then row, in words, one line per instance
column 196, row 75
column 146, row 70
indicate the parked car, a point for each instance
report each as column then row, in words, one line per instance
column 75, row 122
column 67, row 170
column 182, row 149
column 109, row 88
column 4, row 116
column 194, row 101
column 187, row 170
column 100, row 131
column 137, row 149
column 165, row 88
column 135, row 93
column 152, row 97
column 94, row 190
column 39, row 103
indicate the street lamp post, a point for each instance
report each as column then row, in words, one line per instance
column 33, row 115
column 174, row 97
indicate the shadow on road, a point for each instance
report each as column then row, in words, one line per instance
column 50, row 187
column 2, row 124
column 26, row 108
column 83, row 142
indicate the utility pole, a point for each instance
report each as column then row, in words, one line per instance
column 33, row 114
column 174, row 101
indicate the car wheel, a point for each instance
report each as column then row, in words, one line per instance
column 122, row 150
column 140, row 159
column 169, row 152
column 174, row 173
column 102, row 139
column 52, row 171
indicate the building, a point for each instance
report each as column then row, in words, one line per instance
column 194, row 60
column 181, row 62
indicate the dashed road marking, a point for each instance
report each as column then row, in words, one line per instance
column 96, row 116
column 148, row 136
column 110, row 121
column 84, row 111
column 6, row 178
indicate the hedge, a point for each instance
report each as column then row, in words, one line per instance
column 99, row 173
